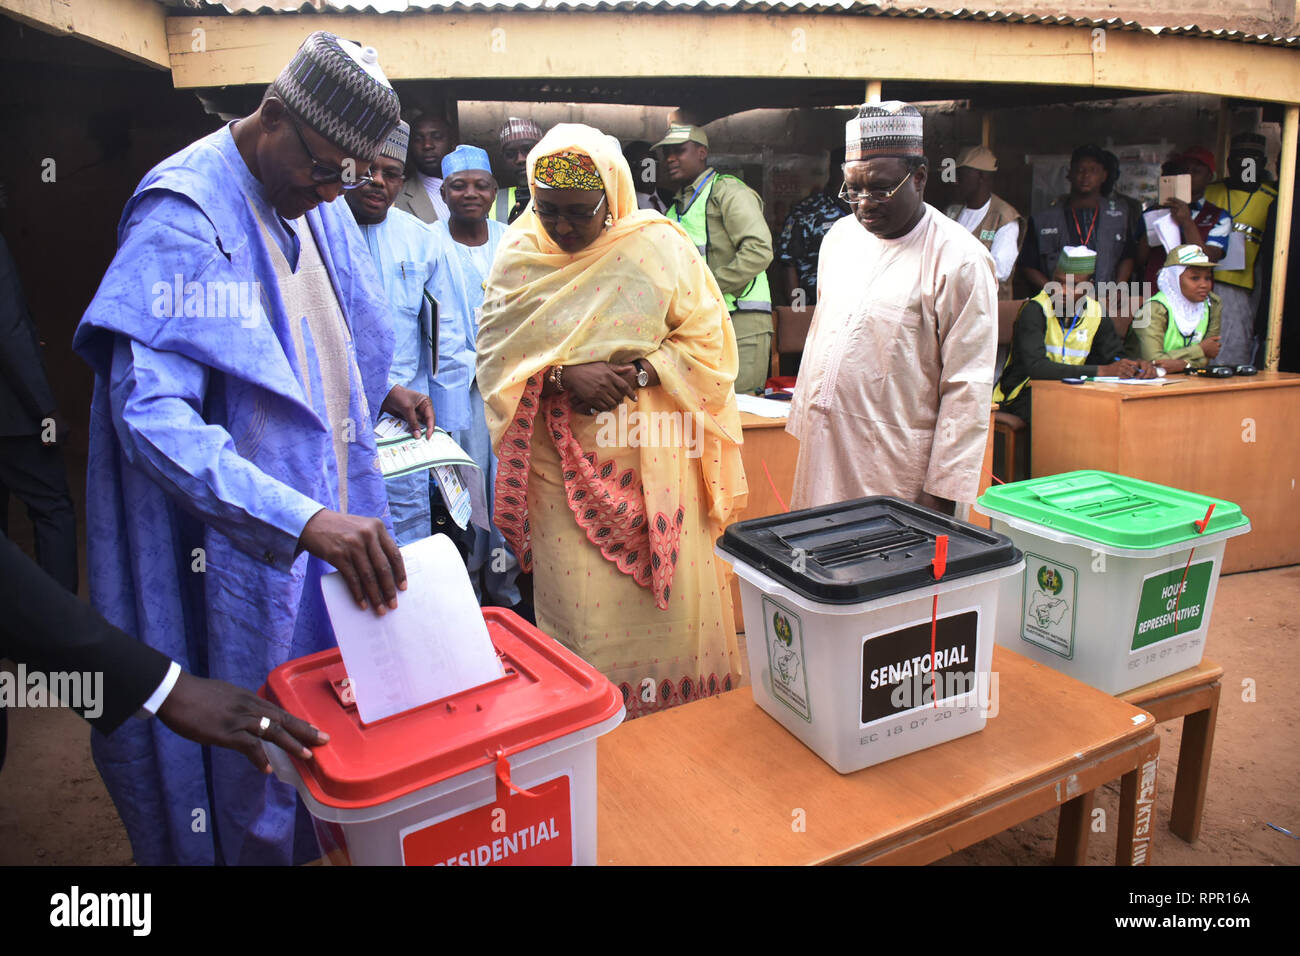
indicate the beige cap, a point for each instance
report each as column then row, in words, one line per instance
column 978, row 157
column 683, row 134
column 1187, row 255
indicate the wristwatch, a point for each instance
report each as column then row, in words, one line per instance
column 642, row 376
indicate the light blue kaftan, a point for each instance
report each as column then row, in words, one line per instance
column 210, row 448
column 458, row 404
column 406, row 253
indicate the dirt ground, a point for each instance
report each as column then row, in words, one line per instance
column 54, row 809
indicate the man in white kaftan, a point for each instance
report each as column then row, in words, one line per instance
column 894, row 389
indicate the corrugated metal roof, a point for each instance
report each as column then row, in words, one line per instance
column 852, row 7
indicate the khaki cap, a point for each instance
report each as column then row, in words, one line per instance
column 978, row 157
column 683, row 134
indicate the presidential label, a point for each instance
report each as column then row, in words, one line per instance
column 785, row 658
column 1171, row 606
column 534, row 829
column 1048, row 603
column 900, row 674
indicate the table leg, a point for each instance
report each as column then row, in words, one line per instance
column 1194, row 769
column 1072, row 831
column 1137, row 804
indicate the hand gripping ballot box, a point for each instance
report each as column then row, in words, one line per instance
column 854, row 645
column 501, row 774
column 1120, row 574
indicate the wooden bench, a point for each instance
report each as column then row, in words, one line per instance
column 1193, row 695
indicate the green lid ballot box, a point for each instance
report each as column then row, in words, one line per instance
column 1119, row 576
column 869, row 624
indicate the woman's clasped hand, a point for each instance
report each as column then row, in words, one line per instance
column 599, row 386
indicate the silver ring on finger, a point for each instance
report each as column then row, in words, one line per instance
column 263, row 726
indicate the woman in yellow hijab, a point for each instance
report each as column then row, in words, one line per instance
column 606, row 362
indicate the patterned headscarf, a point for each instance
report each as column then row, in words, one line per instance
column 567, row 169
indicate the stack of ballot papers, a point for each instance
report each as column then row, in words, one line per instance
column 459, row 480
column 434, row 645
column 401, row 453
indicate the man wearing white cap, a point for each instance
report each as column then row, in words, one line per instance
column 406, row 253
column 1062, row 333
column 893, row 390
column 471, row 240
column 241, row 347
column 518, row 137
column 990, row 218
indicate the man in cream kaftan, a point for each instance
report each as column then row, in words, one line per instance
column 895, row 384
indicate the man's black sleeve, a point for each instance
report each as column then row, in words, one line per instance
column 20, row 354
column 1030, row 257
column 47, row 628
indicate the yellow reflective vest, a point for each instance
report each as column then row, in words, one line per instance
column 1249, row 211
column 755, row 297
column 1066, row 344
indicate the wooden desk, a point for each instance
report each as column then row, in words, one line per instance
column 1231, row 438
column 767, row 442
column 719, row 782
column 1192, row 694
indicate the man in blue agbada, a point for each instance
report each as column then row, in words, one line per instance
column 241, row 352
column 471, row 240
column 406, row 253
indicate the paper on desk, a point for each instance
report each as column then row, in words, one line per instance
column 1115, row 380
column 763, row 407
column 434, row 645
column 1161, row 229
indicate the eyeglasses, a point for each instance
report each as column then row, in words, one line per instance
column 377, row 174
column 573, row 218
column 324, row 174
column 855, row 196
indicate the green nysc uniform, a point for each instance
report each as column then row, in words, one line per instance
column 1154, row 335
column 724, row 218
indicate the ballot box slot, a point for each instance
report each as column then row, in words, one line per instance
column 881, row 546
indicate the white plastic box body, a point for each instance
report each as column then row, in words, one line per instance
column 372, row 836
column 829, row 643
column 1085, row 622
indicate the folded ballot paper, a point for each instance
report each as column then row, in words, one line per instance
column 434, row 645
column 459, row 479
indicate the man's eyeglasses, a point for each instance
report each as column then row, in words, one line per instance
column 855, row 196
column 547, row 214
column 324, row 174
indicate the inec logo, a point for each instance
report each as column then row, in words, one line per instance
column 781, row 625
column 1050, row 580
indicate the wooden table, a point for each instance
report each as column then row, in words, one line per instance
column 1232, row 438
column 719, row 782
column 1192, row 694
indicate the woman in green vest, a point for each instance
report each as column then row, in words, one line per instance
column 1178, row 327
